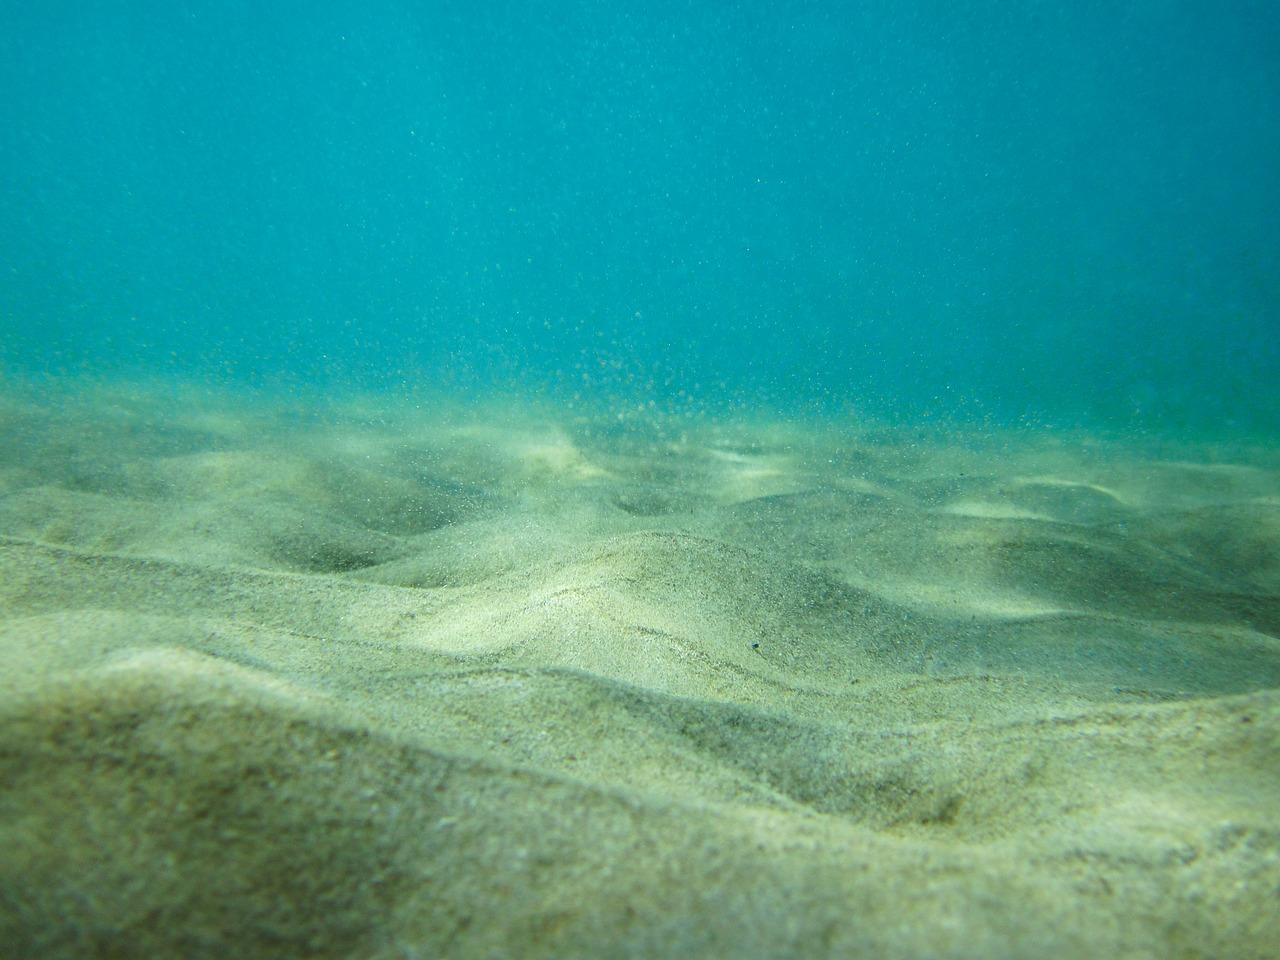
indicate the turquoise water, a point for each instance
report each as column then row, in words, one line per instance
column 1042, row 213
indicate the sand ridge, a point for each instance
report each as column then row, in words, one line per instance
column 386, row 679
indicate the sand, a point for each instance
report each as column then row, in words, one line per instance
column 398, row 678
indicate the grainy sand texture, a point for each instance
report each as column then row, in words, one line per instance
column 406, row 678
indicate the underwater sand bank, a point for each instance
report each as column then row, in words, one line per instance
column 403, row 680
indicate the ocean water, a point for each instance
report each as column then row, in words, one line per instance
column 666, row 480
column 1050, row 213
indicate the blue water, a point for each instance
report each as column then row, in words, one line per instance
column 1039, row 212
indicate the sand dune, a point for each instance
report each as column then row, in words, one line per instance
column 388, row 679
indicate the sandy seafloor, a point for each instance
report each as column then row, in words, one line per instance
column 403, row 679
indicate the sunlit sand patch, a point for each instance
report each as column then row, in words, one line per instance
column 982, row 510
column 1069, row 501
column 181, row 666
column 951, row 600
column 741, row 477
column 246, row 474
column 1049, row 481
column 1142, row 825
column 360, row 447
column 556, row 457
column 996, row 607
column 228, row 424
column 218, row 469
column 536, row 452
